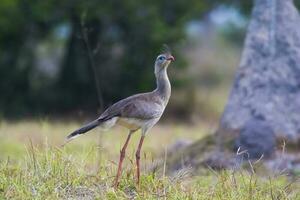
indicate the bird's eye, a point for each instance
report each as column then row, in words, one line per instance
column 162, row 58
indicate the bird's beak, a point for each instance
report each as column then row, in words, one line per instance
column 171, row 58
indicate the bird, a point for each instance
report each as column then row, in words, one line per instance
column 137, row 112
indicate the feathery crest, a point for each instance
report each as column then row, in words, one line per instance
column 166, row 49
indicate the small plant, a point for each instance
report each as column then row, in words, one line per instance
column 78, row 172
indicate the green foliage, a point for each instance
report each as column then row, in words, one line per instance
column 124, row 36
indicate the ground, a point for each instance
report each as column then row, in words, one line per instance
column 33, row 165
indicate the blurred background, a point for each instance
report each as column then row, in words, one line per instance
column 74, row 58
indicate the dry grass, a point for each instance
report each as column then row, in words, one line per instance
column 33, row 166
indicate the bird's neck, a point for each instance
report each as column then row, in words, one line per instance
column 163, row 86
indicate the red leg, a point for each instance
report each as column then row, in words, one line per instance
column 137, row 156
column 122, row 156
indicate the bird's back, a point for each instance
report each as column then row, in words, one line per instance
column 140, row 106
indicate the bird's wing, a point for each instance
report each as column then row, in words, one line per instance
column 138, row 106
column 142, row 110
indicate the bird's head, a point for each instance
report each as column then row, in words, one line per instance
column 163, row 61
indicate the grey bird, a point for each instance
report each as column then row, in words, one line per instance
column 140, row 111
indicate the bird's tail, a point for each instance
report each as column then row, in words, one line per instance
column 84, row 129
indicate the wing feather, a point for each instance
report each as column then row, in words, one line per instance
column 141, row 106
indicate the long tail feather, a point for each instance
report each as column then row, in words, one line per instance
column 84, row 129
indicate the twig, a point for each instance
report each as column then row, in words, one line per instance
column 91, row 60
column 91, row 54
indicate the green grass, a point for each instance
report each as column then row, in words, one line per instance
column 34, row 166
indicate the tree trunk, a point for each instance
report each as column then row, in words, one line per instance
column 267, row 83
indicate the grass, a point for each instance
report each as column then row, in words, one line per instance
column 34, row 166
